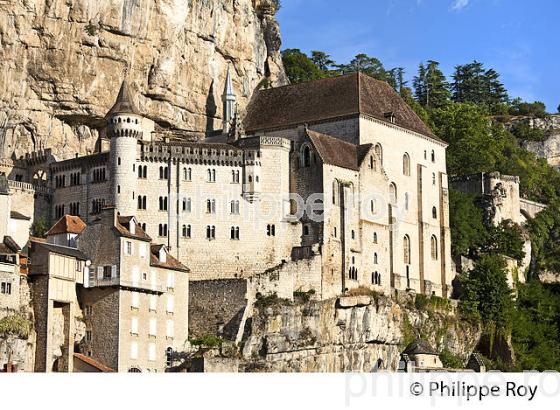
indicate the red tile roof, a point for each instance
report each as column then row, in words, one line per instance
column 67, row 224
column 329, row 99
column 170, row 261
column 94, row 363
column 337, row 152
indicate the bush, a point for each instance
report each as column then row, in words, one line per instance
column 15, row 325
column 91, row 29
column 39, row 228
column 304, row 296
column 451, row 361
column 210, row 341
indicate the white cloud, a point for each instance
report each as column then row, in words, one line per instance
column 459, row 5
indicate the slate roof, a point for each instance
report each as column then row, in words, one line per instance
column 124, row 103
column 67, row 224
column 122, row 228
column 328, row 99
column 419, row 346
column 61, row 250
column 170, row 262
column 19, row 215
column 9, row 246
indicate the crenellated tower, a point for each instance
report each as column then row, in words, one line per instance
column 124, row 126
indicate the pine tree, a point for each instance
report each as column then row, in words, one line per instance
column 430, row 86
column 367, row 65
column 322, row 60
column 473, row 83
column 419, row 85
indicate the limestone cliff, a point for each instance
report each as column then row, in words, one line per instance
column 63, row 62
column 349, row 334
column 548, row 149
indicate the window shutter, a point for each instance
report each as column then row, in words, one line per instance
column 170, row 304
column 169, row 328
column 100, row 272
column 114, row 271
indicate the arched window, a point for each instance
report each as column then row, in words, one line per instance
column 373, row 206
column 406, row 249
column 406, row 164
column 375, row 237
column 433, row 156
column 393, row 193
column 134, row 369
column 434, row 247
column 375, row 258
column 406, row 201
column 335, row 193
column 305, row 230
column 433, row 178
column 434, row 212
column 379, row 152
column 306, row 158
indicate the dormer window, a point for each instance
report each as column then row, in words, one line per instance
column 132, row 227
column 162, row 255
column 390, row 116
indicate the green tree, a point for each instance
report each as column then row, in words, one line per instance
column 395, row 77
column 299, row 67
column 431, row 86
column 369, row 65
column 535, row 333
column 486, row 291
column 39, row 228
column 473, row 83
column 506, row 239
column 322, row 60
column 534, row 109
column 476, row 145
column 468, row 232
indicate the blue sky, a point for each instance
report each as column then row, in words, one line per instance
column 519, row 38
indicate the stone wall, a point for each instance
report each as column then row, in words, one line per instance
column 217, row 307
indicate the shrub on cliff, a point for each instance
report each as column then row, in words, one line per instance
column 15, row 325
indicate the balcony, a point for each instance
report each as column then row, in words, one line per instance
column 140, row 286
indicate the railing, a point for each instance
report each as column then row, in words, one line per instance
column 140, row 285
column 21, row 185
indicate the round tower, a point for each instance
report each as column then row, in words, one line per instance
column 124, row 126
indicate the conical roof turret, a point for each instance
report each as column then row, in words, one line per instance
column 124, row 103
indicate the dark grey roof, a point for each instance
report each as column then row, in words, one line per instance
column 18, row 215
column 124, row 103
column 419, row 346
column 61, row 250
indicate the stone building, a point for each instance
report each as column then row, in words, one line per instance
column 55, row 273
column 104, row 294
column 134, row 298
column 238, row 203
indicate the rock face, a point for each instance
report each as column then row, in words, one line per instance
column 549, row 148
column 349, row 334
column 63, row 62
